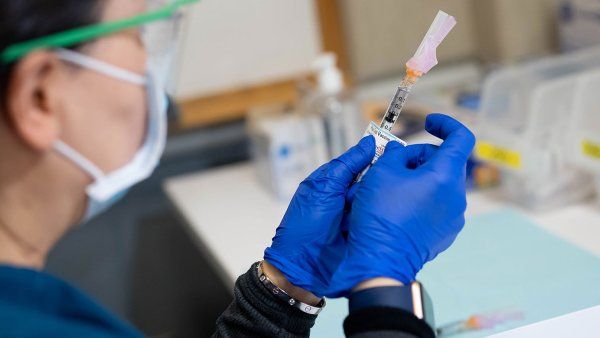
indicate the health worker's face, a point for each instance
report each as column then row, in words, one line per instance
column 101, row 117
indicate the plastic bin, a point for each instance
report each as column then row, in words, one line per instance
column 525, row 110
column 584, row 130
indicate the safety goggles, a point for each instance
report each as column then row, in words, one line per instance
column 160, row 26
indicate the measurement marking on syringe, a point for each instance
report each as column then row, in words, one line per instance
column 395, row 108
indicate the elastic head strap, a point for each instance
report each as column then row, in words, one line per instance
column 82, row 34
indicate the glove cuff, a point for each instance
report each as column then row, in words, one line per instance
column 354, row 271
column 294, row 274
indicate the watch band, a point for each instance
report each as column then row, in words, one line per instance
column 283, row 296
column 412, row 298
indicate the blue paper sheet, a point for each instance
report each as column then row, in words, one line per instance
column 501, row 261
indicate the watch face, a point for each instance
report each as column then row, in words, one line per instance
column 422, row 305
column 417, row 300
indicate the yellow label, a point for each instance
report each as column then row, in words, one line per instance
column 499, row 155
column 591, row 149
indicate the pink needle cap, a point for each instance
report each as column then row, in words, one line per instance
column 425, row 58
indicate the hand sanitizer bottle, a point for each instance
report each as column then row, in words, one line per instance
column 333, row 105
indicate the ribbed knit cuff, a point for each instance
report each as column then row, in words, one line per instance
column 282, row 314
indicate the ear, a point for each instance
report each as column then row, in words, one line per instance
column 31, row 105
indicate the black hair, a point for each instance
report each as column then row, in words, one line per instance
column 22, row 20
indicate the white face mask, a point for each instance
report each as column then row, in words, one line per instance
column 108, row 188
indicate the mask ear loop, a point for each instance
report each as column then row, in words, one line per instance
column 81, row 161
column 101, row 67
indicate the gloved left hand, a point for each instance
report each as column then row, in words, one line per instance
column 308, row 245
column 407, row 209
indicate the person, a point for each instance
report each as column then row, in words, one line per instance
column 83, row 119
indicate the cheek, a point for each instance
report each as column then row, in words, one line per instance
column 128, row 125
column 134, row 119
column 106, row 122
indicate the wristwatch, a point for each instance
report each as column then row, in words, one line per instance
column 411, row 298
column 282, row 295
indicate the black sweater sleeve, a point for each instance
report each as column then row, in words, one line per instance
column 386, row 322
column 255, row 312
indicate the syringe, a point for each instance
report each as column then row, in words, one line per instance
column 423, row 60
column 397, row 103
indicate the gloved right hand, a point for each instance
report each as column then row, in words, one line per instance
column 408, row 208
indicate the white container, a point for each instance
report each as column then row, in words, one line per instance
column 578, row 24
column 286, row 149
column 525, row 110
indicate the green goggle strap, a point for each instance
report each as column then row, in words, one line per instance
column 79, row 35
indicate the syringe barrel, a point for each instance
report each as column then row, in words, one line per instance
column 397, row 103
column 395, row 107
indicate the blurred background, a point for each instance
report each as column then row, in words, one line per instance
column 266, row 90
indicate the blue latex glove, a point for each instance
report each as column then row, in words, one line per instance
column 408, row 208
column 308, row 245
